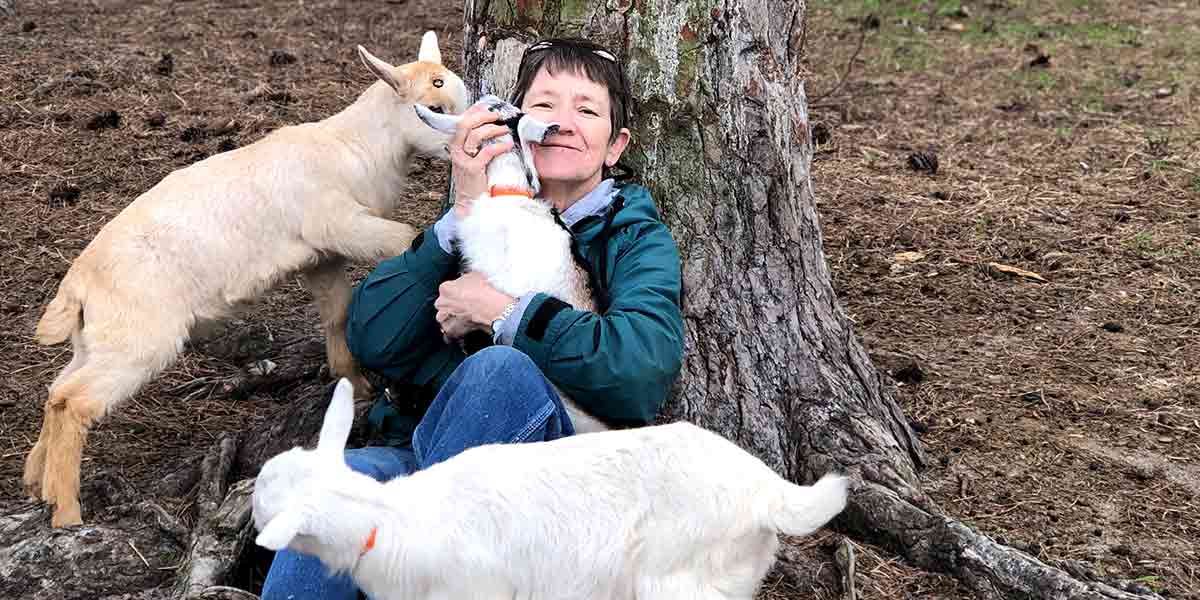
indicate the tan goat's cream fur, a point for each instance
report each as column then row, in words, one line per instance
column 221, row 232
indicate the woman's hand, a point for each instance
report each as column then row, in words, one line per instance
column 468, row 304
column 470, row 158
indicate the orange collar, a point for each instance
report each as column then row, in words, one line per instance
column 507, row 190
column 370, row 543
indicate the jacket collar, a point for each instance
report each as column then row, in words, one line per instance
column 596, row 202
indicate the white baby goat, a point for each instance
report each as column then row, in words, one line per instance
column 511, row 236
column 220, row 233
column 663, row 512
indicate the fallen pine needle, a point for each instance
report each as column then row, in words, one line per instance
column 130, row 542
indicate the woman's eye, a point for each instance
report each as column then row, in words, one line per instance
column 587, row 111
column 542, row 105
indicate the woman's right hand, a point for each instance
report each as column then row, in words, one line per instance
column 470, row 158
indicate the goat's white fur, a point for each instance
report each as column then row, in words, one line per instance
column 219, row 233
column 663, row 512
column 513, row 239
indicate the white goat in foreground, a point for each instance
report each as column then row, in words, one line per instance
column 223, row 231
column 663, row 512
column 511, row 236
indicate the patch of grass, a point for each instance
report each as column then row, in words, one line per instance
column 1018, row 31
column 1142, row 243
column 1196, row 184
column 1154, row 582
column 1037, row 79
column 914, row 56
column 889, row 12
column 947, row 8
column 1109, row 35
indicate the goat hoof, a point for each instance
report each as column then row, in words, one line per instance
column 32, row 481
column 32, row 487
column 66, row 517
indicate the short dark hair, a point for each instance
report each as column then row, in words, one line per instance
column 594, row 61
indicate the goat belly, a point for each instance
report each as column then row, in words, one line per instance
column 517, row 245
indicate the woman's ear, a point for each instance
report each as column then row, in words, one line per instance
column 617, row 147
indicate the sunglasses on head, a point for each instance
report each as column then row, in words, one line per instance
column 543, row 45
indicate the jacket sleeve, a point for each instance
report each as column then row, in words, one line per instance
column 619, row 366
column 390, row 325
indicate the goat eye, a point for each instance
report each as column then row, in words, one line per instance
column 437, row 83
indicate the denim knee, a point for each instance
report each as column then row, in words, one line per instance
column 492, row 359
column 380, row 463
column 496, row 395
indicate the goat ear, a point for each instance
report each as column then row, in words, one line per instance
column 338, row 419
column 531, row 130
column 384, row 71
column 429, row 49
column 280, row 531
column 439, row 121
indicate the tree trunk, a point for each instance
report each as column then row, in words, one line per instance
column 721, row 137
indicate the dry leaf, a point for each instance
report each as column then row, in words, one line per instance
column 908, row 257
column 1016, row 271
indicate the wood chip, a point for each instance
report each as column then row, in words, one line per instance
column 1015, row 271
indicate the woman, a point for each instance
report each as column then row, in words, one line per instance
column 406, row 316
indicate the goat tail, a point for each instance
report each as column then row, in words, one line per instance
column 800, row 510
column 63, row 316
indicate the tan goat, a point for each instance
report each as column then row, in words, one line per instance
column 221, row 232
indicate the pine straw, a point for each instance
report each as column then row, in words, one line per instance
column 1045, row 429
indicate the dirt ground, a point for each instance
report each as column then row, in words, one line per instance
column 1059, row 404
column 1059, row 415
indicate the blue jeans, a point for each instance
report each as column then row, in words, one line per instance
column 497, row 395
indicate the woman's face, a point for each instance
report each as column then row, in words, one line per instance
column 572, row 159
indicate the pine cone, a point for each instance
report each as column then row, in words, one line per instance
column 923, row 161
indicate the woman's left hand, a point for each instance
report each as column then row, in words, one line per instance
column 468, row 304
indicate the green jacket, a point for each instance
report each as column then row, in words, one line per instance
column 618, row 365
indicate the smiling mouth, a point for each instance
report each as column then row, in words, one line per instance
column 560, row 147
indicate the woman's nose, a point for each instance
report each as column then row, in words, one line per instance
column 565, row 120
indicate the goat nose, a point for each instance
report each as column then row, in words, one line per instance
column 565, row 127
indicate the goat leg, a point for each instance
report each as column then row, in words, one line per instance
column 365, row 237
column 327, row 282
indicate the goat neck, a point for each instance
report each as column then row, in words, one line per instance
column 376, row 130
column 506, row 177
column 514, row 173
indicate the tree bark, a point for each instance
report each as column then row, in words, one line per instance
column 127, row 553
column 223, row 527
column 721, row 137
